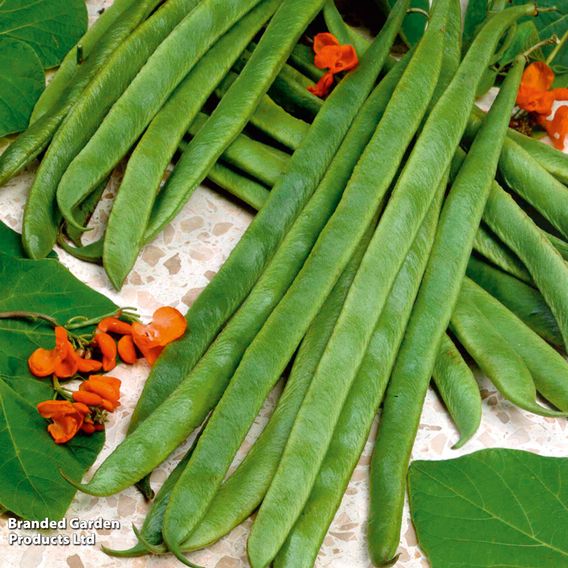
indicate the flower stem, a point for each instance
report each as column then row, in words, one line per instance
column 29, row 315
column 559, row 45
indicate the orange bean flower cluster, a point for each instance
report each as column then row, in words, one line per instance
column 85, row 409
column 334, row 57
column 537, row 97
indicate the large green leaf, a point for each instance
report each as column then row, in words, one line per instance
column 30, row 483
column 552, row 23
column 50, row 27
column 492, row 509
column 21, row 83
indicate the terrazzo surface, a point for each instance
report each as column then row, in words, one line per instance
column 172, row 271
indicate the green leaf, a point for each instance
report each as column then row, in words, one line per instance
column 30, row 483
column 525, row 37
column 21, row 82
column 414, row 24
column 11, row 243
column 549, row 24
column 50, row 27
column 492, row 509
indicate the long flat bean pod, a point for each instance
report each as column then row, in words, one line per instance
column 548, row 368
column 41, row 217
column 560, row 245
column 203, row 387
column 452, row 247
column 526, row 177
column 523, row 300
column 35, row 139
column 352, row 429
column 246, row 92
column 271, row 118
column 275, row 343
column 243, row 188
column 237, row 276
column 133, row 203
column 459, row 390
column 259, row 160
column 143, row 98
column 545, row 264
column 488, row 245
column 241, row 493
column 495, row 356
column 548, row 157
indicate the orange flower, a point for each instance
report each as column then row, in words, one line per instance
column 115, row 325
column 61, row 361
column 557, row 128
column 127, row 350
column 67, row 418
column 107, row 346
column 105, row 387
column 167, row 325
column 331, row 55
column 536, row 96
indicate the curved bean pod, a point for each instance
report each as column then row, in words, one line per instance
column 488, row 245
column 68, row 68
column 548, row 368
column 143, row 98
column 496, row 358
column 244, row 490
column 551, row 159
column 41, row 218
column 313, row 429
column 145, row 169
column 525, row 302
column 237, row 276
column 34, row 140
column 544, row 263
column 352, row 429
column 243, row 188
column 271, row 118
column 459, row 223
column 459, row 390
column 198, row 393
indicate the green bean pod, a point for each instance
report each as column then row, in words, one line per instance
column 41, row 217
column 203, row 387
column 344, row 33
column 458, row 389
column 271, row 119
column 459, row 223
column 244, row 490
column 145, row 169
column 237, row 276
column 304, row 540
column 560, row 245
column 151, row 530
column 243, row 188
column 356, row 323
column 63, row 96
column 526, row 177
column 143, row 98
column 548, row 368
column 488, row 245
column 524, row 301
column 261, row 161
column 545, row 264
column 496, row 357
column 551, row 159
column 68, row 68
column 302, row 59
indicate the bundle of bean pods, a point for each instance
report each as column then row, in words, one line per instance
column 398, row 227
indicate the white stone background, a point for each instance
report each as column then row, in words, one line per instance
column 172, row 271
